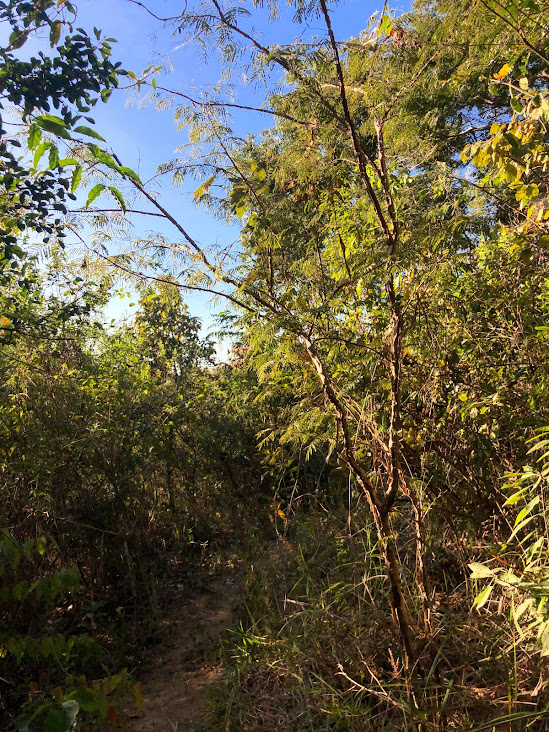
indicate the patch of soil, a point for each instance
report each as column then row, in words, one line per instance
column 186, row 662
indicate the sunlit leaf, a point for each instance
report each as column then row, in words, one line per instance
column 480, row 571
column 483, row 597
column 35, row 135
column 89, row 131
column 94, row 193
column 119, row 197
column 55, row 33
column 76, row 178
column 502, row 73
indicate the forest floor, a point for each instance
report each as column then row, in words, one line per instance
column 185, row 662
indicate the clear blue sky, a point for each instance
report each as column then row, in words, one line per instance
column 143, row 138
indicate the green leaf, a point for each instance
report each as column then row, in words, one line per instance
column 35, row 135
column 55, row 721
column 55, row 125
column 51, row 118
column 544, row 639
column 40, row 151
column 483, row 597
column 129, row 173
column 76, row 178
column 95, row 191
column 18, row 38
column 385, row 26
column 515, row 498
column 41, row 545
column 516, row 105
column 46, row 646
column 510, row 172
column 83, row 130
column 90, row 701
column 103, row 157
column 119, row 197
column 526, row 510
column 53, row 160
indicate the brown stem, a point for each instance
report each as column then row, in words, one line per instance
column 395, row 360
column 422, row 576
column 399, row 610
column 361, row 157
column 231, row 105
column 385, row 182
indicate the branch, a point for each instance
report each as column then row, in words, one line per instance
column 361, row 156
column 232, row 105
column 519, row 31
column 156, row 17
column 179, row 285
column 115, row 210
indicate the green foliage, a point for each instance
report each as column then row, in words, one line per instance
column 28, row 595
column 155, row 470
column 523, row 578
column 70, row 80
column 392, row 285
column 390, row 297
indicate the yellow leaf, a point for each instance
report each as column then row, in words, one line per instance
column 502, row 73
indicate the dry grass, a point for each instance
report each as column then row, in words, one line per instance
column 317, row 649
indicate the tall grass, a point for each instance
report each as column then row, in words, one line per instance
column 317, row 649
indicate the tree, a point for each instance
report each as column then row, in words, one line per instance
column 359, row 219
column 52, row 93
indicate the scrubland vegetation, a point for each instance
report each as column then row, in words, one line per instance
column 374, row 455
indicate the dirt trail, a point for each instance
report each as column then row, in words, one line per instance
column 186, row 662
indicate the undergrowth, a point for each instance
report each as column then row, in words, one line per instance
column 315, row 649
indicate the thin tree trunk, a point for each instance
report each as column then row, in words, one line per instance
column 422, row 576
column 380, row 508
column 169, row 469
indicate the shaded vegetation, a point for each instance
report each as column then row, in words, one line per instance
column 376, row 447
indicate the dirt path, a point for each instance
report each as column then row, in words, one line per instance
column 186, row 661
